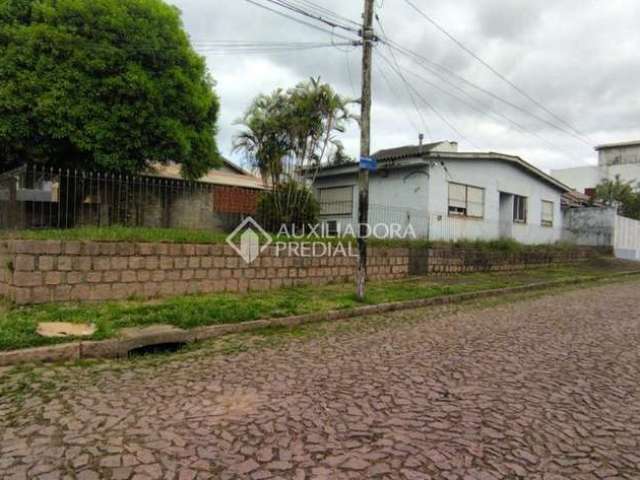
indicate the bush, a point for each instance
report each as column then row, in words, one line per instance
column 290, row 204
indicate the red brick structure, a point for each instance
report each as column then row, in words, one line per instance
column 235, row 200
column 54, row 271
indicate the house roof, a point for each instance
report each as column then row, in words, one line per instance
column 407, row 151
column 618, row 145
column 229, row 174
column 412, row 155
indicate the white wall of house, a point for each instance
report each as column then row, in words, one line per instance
column 419, row 195
column 501, row 182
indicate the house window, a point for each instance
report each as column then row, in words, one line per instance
column 466, row 201
column 519, row 209
column 547, row 214
column 336, row 200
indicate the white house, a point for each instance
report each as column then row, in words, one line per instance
column 447, row 195
column 614, row 159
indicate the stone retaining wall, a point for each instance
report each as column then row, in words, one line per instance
column 54, row 271
column 452, row 260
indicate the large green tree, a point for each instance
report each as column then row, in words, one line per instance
column 107, row 84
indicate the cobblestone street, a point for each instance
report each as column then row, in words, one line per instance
column 545, row 388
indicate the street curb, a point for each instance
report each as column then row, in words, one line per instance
column 119, row 348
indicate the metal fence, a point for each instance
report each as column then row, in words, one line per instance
column 37, row 197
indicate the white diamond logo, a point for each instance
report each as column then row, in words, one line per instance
column 249, row 234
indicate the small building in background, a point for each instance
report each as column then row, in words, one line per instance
column 615, row 159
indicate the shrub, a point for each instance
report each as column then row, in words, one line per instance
column 290, row 204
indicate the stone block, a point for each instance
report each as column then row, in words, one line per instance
column 166, row 263
column 54, row 278
column 101, row 292
column 129, row 276
column 75, row 278
column 72, row 248
column 94, row 277
column 27, row 279
column 145, row 249
column 82, row 264
column 109, row 249
column 46, row 263
column 120, row 263
column 206, row 262
column 111, row 276
column 40, row 295
column 137, row 263
column 80, row 292
column 101, row 263
column 144, row 275
column 173, row 275
column 24, row 263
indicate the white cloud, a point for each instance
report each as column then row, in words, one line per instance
column 578, row 57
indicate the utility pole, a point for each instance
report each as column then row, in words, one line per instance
column 368, row 38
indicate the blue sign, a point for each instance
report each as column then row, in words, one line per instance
column 367, row 163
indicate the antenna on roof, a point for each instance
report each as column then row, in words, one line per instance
column 420, row 139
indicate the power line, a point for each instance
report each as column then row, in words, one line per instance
column 493, row 70
column 300, row 21
column 404, row 80
column 325, row 11
column 426, row 63
column 394, row 94
column 287, row 4
column 267, row 50
column 440, row 115
column 235, row 47
column 479, row 107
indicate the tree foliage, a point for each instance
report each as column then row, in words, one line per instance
column 620, row 194
column 288, row 131
column 109, row 84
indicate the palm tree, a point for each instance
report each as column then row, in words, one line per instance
column 263, row 140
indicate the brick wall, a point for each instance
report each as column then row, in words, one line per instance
column 54, row 271
column 235, row 200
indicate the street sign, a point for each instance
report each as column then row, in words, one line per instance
column 367, row 163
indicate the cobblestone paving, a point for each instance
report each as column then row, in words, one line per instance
column 541, row 389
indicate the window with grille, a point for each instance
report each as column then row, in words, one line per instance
column 336, row 200
column 519, row 209
column 466, row 201
column 547, row 214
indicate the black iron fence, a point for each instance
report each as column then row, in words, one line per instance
column 37, row 197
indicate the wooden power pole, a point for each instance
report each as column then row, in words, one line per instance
column 365, row 146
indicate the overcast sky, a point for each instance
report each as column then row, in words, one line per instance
column 580, row 58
